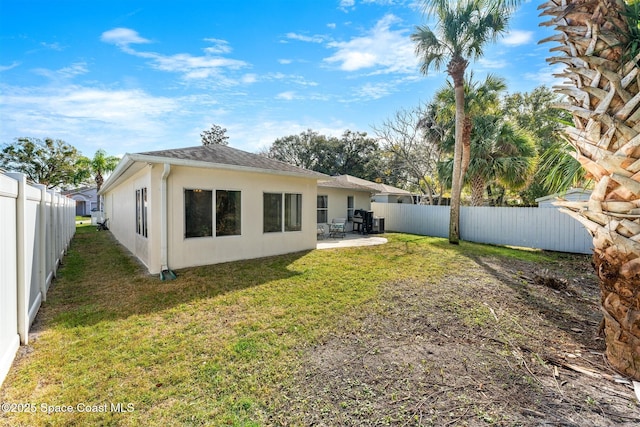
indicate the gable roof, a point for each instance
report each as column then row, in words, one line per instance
column 348, row 181
column 224, row 155
column 80, row 190
column 213, row 156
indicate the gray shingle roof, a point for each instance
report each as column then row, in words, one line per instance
column 334, row 183
column 224, row 155
column 348, row 181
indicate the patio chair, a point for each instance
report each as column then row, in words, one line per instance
column 337, row 227
column 320, row 231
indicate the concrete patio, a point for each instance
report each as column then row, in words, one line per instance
column 350, row 240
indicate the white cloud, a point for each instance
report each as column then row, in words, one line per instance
column 53, row 46
column 191, row 67
column 303, row 38
column 285, row 61
column 288, row 96
column 14, row 64
column 331, row 25
column 517, row 38
column 219, row 46
column 375, row 90
column 184, row 62
column 262, row 131
column 122, row 37
column 69, row 72
column 75, row 69
column 94, row 116
column 249, row 78
column 346, row 4
column 493, row 64
column 390, row 51
column 545, row 76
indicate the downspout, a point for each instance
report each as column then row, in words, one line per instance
column 165, row 272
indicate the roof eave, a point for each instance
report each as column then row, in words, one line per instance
column 129, row 159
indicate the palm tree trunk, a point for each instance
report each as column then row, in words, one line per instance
column 604, row 94
column 456, row 69
column 99, row 181
column 477, row 190
column 467, row 127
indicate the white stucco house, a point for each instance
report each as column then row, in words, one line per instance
column 209, row 204
column 86, row 199
column 340, row 198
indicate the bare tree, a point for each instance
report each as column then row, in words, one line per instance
column 215, row 135
column 413, row 142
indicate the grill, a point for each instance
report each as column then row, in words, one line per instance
column 365, row 223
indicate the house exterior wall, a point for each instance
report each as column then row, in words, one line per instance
column 252, row 242
column 337, row 202
column 85, row 201
column 120, row 209
column 183, row 252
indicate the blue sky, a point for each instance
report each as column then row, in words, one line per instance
column 132, row 76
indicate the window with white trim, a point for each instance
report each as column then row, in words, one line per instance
column 228, row 213
column 350, row 208
column 275, row 219
column 292, row 212
column 141, row 212
column 198, row 213
column 323, row 209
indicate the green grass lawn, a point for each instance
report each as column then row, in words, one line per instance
column 213, row 347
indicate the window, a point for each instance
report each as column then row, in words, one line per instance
column 228, row 210
column 349, row 208
column 272, row 212
column 198, row 213
column 141, row 212
column 322, row 205
column 292, row 212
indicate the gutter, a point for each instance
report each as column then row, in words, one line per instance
column 165, row 272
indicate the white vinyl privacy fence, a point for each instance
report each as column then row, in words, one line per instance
column 538, row 228
column 36, row 226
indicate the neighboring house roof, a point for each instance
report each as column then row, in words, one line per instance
column 342, row 184
column 574, row 194
column 345, row 181
column 80, row 190
column 213, row 156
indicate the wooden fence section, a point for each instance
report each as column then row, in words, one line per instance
column 36, row 227
column 538, row 228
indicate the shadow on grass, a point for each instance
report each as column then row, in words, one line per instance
column 101, row 281
column 517, row 268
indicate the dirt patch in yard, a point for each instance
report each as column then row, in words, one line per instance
column 505, row 344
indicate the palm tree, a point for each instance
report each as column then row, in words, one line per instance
column 500, row 153
column 100, row 165
column 463, row 28
column 599, row 49
column 480, row 100
column 559, row 170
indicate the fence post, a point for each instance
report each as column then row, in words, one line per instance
column 21, row 257
column 42, row 231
